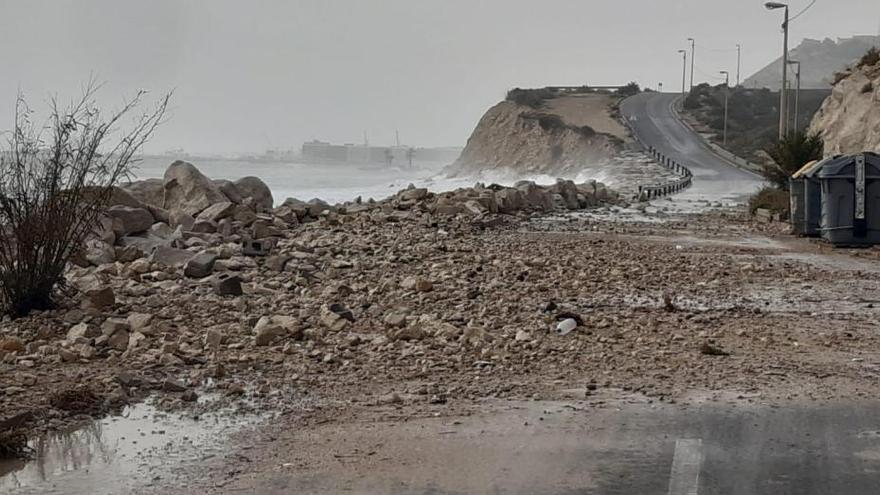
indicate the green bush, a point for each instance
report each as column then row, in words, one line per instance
column 870, row 58
column 770, row 198
column 789, row 154
column 533, row 98
column 631, row 88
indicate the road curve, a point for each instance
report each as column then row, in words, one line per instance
column 655, row 123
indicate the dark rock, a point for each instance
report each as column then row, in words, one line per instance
column 226, row 284
column 200, row 265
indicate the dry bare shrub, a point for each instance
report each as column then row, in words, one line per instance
column 55, row 182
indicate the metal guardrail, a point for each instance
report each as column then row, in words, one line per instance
column 653, row 191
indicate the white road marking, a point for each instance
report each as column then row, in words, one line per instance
column 684, row 478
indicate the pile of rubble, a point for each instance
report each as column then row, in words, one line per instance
column 167, row 220
column 190, row 278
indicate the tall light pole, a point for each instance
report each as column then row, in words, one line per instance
column 693, row 46
column 684, row 64
column 738, row 59
column 797, row 91
column 783, row 101
column 726, row 91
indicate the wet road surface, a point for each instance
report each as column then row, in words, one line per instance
column 631, row 448
column 654, row 121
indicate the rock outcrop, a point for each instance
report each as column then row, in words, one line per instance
column 820, row 60
column 524, row 140
column 849, row 120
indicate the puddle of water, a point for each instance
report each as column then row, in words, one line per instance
column 119, row 453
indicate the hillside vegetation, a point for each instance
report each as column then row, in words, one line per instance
column 753, row 116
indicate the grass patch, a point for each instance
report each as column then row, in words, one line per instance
column 554, row 123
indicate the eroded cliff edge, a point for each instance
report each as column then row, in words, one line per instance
column 560, row 135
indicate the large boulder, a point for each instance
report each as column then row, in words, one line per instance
column 230, row 190
column 150, row 192
column 121, row 197
column 188, row 190
column 256, row 189
column 129, row 220
column 217, row 212
column 568, row 191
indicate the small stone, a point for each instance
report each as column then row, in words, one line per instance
column 172, row 385
column 119, row 340
column 522, row 336
column 189, row 396
column 200, row 265
column 139, row 321
column 100, row 296
column 213, row 339
column 266, row 331
column 395, row 319
column 565, row 326
column 333, row 321
column 82, row 331
column 417, row 284
column 86, row 351
column 11, row 344
column 140, row 266
column 135, row 339
column 226, row 284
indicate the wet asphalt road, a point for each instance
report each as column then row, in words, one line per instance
column 654, row 122
column 631, row 449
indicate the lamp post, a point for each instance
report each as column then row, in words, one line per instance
column 783, row 101
column 797, row 91
column 738, row 59
column 726, row 91
column 693, row 45
column 684, row 64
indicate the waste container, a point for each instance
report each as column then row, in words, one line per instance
column 851, row 199
column 813, row 198
column 806, row 198
column 796, row 199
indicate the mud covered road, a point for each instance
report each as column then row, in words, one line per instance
column 791, row 409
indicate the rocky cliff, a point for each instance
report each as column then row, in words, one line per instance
column 820, row 60
column 849, row 120
column 526, row 140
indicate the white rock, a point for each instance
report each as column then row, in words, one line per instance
column 566, row 326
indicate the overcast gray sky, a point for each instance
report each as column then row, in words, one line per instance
column 251, row 75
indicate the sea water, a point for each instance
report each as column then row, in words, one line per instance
column 343, row 182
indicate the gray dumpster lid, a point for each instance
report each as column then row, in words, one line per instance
column 843, row 167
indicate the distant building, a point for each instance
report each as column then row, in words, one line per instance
column 324, row 152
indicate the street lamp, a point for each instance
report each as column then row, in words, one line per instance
column 726, row 91
column 783, row 103
column 738, row 59
column 797, row 92
column 684, row 64
column 693, row 44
